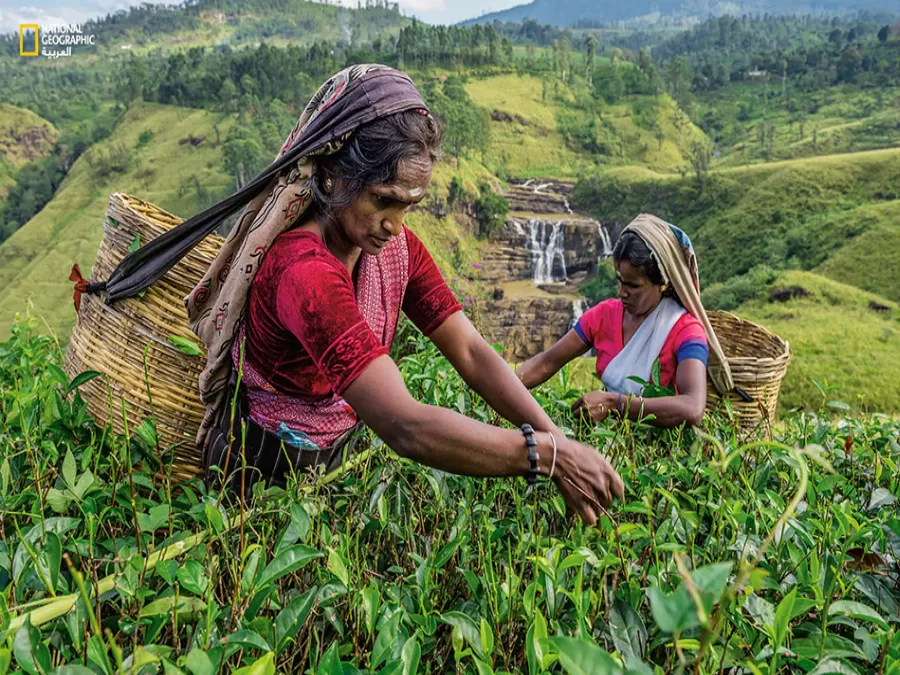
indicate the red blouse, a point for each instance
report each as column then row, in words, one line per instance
column 601, row 328
column 305, row 332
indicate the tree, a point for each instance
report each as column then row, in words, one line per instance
column 507, row 48
column 591, row 44
column 466, row 125
column 884, row 34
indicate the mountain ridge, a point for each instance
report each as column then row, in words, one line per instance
column 566, row 13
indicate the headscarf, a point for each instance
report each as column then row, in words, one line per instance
column 274, row 200
column 674, row 253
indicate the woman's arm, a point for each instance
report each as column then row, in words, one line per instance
column 449, row 441
column 668, row 411
column 487, row 373
column 540, row 368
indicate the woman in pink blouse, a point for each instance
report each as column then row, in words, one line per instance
column 646, row 323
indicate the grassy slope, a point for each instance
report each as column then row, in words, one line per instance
column 24, row 136
column 871, row 261
column 531, row 146
column 38, row 257
column 829, row 121
column 799, row 212
column 834, row 336
column 531, row 149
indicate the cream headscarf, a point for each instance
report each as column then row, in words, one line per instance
column 678, row 265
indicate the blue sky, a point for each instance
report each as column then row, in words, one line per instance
column 14, row 12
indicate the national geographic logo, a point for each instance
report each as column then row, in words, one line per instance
column 22, row 30
column 55, row 40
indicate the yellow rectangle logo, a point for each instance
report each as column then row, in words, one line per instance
column 22, row 28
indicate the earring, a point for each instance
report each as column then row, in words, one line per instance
column 328, row 185
column 664, row 288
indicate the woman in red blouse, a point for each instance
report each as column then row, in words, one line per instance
column 322, row 305
column 646, row 323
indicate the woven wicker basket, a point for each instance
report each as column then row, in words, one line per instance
column 758, row 360
column 112, row 339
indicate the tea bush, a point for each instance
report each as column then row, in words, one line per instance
column 759, row 557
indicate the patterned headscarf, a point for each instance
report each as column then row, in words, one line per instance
column 274, row 200
column 674, row 253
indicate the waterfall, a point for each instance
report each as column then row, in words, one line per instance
column 518, row 227
column 579, row 307
column 546, row 245
column 607, row 249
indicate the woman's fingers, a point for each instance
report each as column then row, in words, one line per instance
column 576, row 502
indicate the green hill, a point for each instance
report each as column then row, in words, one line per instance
column 792, row 213
column 837, row 333
column 568, row 12
column 527, row 142
column 179, row 177
column 156, row 28
column 24, row 137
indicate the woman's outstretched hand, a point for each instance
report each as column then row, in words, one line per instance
column 585, row 478
column 595, row 406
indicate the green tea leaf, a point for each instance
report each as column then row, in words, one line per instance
column 98, row 655
column 291, row 619
column 371, row 598
column 384, row 643
column 193, row 577
column 187, row 607
column 467, row 627
column 337, row 567
column 251, row 567
column 286, row 562
column 247, row 639
column 331, row 662
column 628, row 631
column 135, row 244
column 880, row 497
column 264, row 665
column 80, row 379
column 858, row 611
column 199, row 663
column 189, row 347
column 583, row 657
column 51, row 557
column 487, row 638
column 69, row 471
column 835, row 647
column 782, row 618
column 31, row 654
column 157, row 517
column 833, row 667
column 410, row 656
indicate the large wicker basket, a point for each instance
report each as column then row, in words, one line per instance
column 112, row 339
column 758, row 360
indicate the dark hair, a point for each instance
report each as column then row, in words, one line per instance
column 632, row 249
column 372, row 156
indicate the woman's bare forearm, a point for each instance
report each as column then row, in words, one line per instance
column 487, row 373
column 446, row 440
column 667, row 411
column 535, row 371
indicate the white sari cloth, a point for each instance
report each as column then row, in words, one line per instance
column 637, row 358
